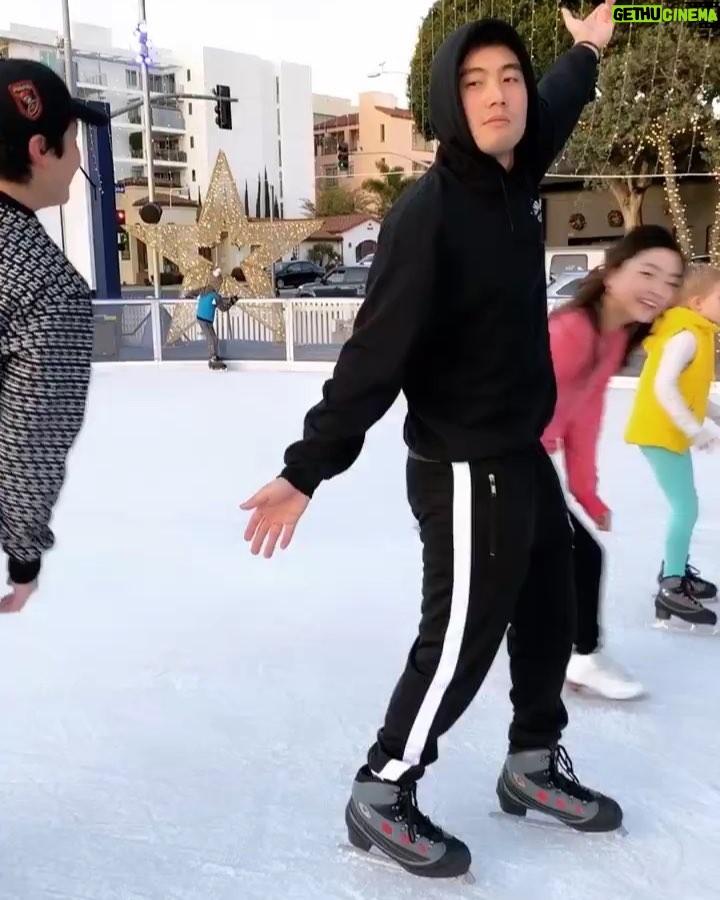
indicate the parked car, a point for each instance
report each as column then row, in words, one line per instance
column 342, row 281
column 293, row 274
column 563, row 288
column 574, row 259
column 366, row 260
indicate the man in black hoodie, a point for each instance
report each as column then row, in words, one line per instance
column 456, row 318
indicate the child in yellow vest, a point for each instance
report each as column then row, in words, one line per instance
column 668, row 418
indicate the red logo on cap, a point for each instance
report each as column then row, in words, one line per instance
column 27, row 99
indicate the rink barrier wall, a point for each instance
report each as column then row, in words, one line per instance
column 282, row 335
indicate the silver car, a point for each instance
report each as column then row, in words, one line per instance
column 563, row 288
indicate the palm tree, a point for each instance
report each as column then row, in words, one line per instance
column 386, row 189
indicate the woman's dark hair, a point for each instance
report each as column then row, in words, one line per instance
column 590, row 293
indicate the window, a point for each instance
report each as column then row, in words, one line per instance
column 189, row 109
column 189, row 76
column 568, row 262
column 192, row 142
column 382, row 134
column 357, row 276
column 277, row 90
column 570, row 289
column 131, row 78
column 193, row 175
column 419, row 142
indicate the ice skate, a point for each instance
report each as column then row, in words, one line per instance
column 674, row 601
column 699, row 587
column 385, row 815
column 595, row 674
column 544, row 781
column 217, row 364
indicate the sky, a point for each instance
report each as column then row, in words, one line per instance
column 343, row 42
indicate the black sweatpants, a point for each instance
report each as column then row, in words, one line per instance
column 588, row 568
column 497, row 547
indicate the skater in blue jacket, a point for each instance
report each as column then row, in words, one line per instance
column 209, row 300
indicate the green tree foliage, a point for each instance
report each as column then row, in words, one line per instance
column 336, row 201
column 386, row 189
column 651, row 115
column 537, row 21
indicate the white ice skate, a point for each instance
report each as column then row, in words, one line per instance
column 599, row 675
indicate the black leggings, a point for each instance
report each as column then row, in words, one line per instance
column 588, row 569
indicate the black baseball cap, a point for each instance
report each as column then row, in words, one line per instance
column 35, row 100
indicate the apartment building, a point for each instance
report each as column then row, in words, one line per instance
column 376, row 130
column 272, row 123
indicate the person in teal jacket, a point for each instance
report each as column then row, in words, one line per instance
column 209, row 301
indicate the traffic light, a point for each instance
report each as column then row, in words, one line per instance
column 223, row 113
column 120, row 219
column 343, row 157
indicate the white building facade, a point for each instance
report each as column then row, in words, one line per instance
column 272, row 120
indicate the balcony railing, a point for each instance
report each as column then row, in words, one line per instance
column 161, row 118
column 162, row 154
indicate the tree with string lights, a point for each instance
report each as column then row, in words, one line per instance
column 538, row 22
column 652, row 116
column 712, row 158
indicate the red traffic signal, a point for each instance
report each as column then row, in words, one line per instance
column 120, row 218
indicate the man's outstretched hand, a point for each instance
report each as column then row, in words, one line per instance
column 597, row 28
column 276, row 511
column 19, row 595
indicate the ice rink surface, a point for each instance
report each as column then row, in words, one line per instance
column 181, row 721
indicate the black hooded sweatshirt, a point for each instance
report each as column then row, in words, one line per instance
column 455, row 314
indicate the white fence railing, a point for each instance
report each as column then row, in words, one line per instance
column 279, row 330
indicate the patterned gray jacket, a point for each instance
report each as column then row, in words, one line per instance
column 46, row 338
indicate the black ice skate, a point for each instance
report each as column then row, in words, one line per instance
column 699, row 587
column 216, row 363
column 385, row 815
column 544, row 781
column 675, row 600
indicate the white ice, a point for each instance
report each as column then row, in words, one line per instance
column 181, row 721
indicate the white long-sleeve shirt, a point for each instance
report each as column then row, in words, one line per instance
column 678, row 353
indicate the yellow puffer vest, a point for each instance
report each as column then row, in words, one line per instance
column 649, row 425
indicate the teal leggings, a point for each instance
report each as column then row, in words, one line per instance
column 674, row 473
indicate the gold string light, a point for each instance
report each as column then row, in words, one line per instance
column 223, row 222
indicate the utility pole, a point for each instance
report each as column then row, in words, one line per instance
column 147, row 116
column 67, row 48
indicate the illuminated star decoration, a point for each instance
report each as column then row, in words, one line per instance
column 223, row 217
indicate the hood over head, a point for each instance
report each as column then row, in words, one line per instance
column 458, row 149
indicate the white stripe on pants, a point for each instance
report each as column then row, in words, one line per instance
column 462, row 506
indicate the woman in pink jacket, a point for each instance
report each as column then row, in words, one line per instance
column 591, row 339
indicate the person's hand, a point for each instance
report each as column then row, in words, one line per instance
column 708, row 438
column 604, row 521
column 597, row 28
column 15, row 601
column 276, row 510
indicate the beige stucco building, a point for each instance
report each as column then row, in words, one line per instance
column 376, row 130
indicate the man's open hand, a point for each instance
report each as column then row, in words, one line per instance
column 597, row 28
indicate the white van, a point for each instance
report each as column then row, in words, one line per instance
column 578, row 258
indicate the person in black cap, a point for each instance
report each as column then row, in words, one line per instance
column 46, row 318
column 455, row 317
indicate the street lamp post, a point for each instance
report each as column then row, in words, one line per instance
column 67, row 48
column 143, row 59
